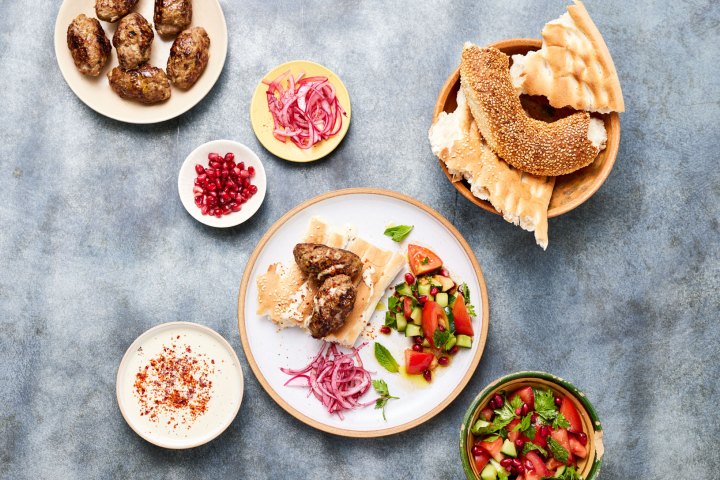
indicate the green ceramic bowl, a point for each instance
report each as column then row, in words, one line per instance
column 589, row 468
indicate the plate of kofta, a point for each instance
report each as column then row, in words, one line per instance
column 363, row 312
column 141, row 61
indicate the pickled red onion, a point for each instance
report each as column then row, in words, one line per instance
column 335, row 379
column 307, row 111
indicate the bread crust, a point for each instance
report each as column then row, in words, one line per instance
column 527, row 144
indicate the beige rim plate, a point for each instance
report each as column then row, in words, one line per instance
column 267, row 349
column 96, row 92
column 262, row 120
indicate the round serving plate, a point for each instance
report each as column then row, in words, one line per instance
column 268, row 349
column 96, row 93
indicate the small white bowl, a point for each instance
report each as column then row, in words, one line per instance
column 186, row 182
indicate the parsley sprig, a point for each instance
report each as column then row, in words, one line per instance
column 382, row 389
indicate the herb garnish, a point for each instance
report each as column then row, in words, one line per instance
column 529, row 446
column 425, row 261
column 385, row 358
column 465, row 291
column 382, row 389
column 569, row 474
column 398, row 233
column 545, row 405
column 557, row 450
column 440, row 339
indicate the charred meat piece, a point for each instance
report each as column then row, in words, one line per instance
column 133, row 41
column 88, row 45
column 113, row 10
column 188, row 57
column 172, row 16
column 333, row 303
column 146, row 84
column 321, row 261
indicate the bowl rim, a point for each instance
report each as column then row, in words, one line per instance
column 612, row 146
column 529, row 375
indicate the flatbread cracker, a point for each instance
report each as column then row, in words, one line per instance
column 573, row 68
column 520, row 197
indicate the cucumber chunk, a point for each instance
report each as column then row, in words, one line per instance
column 489, row 472
column 425, row 343
column 412, row 330
column 508, row 448
column 401, row 322
column 560, row 471
column 463, row 341
column 480, row 427
column 498, row 468
column 442, row 299
column 404, row 289
column 416, row 316
column 424, row 289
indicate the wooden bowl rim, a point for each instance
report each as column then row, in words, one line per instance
column 591, row 422
column 611, row 148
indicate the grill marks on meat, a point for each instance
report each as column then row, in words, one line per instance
column 113, row 10
column 333, row 303
column 146, row 84
column 88, row 44
column 321, row 261
column 133, row 41
column 188, row 57
column 172, row 16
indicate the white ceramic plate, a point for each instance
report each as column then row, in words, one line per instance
column 186, row 182
column 267, row 349
column 226, row 393
column 96, row 92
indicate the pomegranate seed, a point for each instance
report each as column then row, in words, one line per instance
column 582, row 438
column 506, row 463
column 427, row 375
column 418, row 339
column 202, row 178
column 499, row 401
column 253, row 189
column 204, row 210
column 516, row 463
column 558, row 401
column 251, row 170
column 525, row 409
column 529, row 466
column 422, row 299
column 224, row 197
column 444, row 360
column 244, row 174
column 226, row 210
column 544, row 431
column 409, row 278
column 197, row 191
column 229, row 157
column 417, row 347
column 492, row 404
column 519, row 469
column 385, row 329
column 224, row 173
column 199, row 200
column 434, row 291
column 229, row 164
column 518, row 411
column 534, row 418
column 210, row 172
column 211, row 187
column 454, row 350
column 218, row 212
column 241, row 165
column 519, row 443
column 237, row 171
column 444, row 272
column 199, row 169
column 476, row 451
column 441, row 328
column 218, row 182
column 214, row 157
column 216, row 165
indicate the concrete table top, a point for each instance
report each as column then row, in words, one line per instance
column 96, row 248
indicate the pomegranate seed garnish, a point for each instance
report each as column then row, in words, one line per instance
column 224, row 173
column 409, row 278
column 385, row 329
column 516, row 463
column 534, row 418
column 427, row 375
column 417, row 347
column 251, row 170
column 444, row 360
column 519, row 469
column 476, row 450
column 444, row 272
column 224, row 197
column 223, row 186
column 525, row 409
column 544, row 431
column 210, row 172
column 214, row 157
column 229, row 164
column 204, row 210
column 197, row 191
column 582, row 438
column 237, row 171
column 519, row 443
column 216, row 165
column 499, row 401
column 558, row 401
column 418, row 339
column 199, row 169
column 506, row 463
column 529, row 466
column 422, row 299
column 434, row 291
column 454, row 350
column 229, row 156
column 241, row 165
column 253, row 189
column 199, row 200
column 211, row 187
column 235, row 207
column 441, row 328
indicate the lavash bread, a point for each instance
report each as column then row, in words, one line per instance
column 520, row 197
column 573, row 68
column 530, row 145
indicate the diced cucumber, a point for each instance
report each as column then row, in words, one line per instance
column 560, row 471
column 431, row 298
column 480, row 427
column 412, row 330
column 404, row 289
column 508, row 448
column 489, row 472
column 463, row 341
column 425, row 343
column 434, row 282
column 450, row 343
column 442, row 299
column 498, row 468
column 401, row 322
column 424, row 289
column 416, row 316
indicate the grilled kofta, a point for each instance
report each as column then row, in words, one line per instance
column 333, row 303
column 113, row 10
column 133, row 41
column 88, row 44
column 321, row 261
column 188, row 57
column 172, row 16
column 146, row 84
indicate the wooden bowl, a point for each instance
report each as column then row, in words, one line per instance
column 570, row 190
column 589, row 467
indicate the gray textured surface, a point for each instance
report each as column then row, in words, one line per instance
column 96, row 248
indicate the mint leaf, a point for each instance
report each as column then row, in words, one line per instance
column 399, row 232
column 382, row 389
column 529, row 447
column 557, row 450
column 385, row 359
column 440, row 339
column 560, row 422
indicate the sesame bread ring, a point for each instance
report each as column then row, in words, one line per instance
column 529, row 145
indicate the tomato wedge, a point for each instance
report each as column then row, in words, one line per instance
column 422, row 260
column 567, row 408
column 417, row 362
column 463, row 321
column 481, row 460
column 577, row 448
column 539, row 466
column 432, row 315
column 407, row 307
column 527, row 396
column 493, row 448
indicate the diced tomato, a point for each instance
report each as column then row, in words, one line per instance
column 432, row 315
column 407, row 307
column 493, row 448
column 577, row 448
column 538, row 440
column 422, row 260
column 513, row 435
column 486, row 413
column 561, row 436
column 463, row 321
column 567, row 408
column 540, row 469
column 553, row 464
column 481, row 460
column 417, row 362
column 526, row 395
